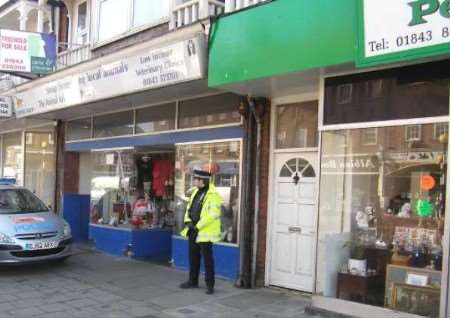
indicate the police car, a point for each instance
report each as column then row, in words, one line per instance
column 29, row 231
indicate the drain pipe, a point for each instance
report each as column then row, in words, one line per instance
column 244, row 235
column 257, row 116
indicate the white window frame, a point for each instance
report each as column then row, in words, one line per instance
column 436, row 127
column 96, row 42
column 375, row 135
column 340, row 100
column 77, row 35
column 418, row 138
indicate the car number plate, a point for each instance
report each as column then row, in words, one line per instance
column 41, row 246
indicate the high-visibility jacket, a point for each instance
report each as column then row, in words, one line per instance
column 209, row 225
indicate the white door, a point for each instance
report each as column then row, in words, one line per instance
column 294, row 221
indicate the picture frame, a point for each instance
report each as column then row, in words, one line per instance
column 417, row 279
column 422, row 301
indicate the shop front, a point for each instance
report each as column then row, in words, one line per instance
column 358, row 141
column 383, row 187
column 135, row 124
column 139, row 181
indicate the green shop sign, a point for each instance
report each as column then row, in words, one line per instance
column 399, row 30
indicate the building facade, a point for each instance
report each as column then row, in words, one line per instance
column 358, row 141
column 127, row 112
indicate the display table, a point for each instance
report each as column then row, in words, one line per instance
column 124, row 241
column 358, row 288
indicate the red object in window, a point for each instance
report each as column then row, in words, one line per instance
column 162, row 172
column 212, row 168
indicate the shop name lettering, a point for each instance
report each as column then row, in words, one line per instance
column 421, row 10
column 104, row 73
column 160, row 70
column 58, row 94
column 349, row 164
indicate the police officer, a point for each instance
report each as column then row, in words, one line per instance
column 202, row 228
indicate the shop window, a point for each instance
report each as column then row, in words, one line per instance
column 79, row 129
column 111, row 186
column 297, row 125
column 117, row 17
column 413, row 133
column 156, row 118
column 209, row 111
column 40, row 165
column 394, row 94
column 369, row 136
column 381, row 219
column 13, row 157
column 223, row 160
column 117, row 124
column 440, row 130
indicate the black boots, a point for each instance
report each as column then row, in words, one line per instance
column 188, row 284
column 209, row 290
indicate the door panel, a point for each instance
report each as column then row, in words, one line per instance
column 294, row 221
column 303, row 264
column 283, row 256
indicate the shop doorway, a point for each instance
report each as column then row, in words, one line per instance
column 294, row 221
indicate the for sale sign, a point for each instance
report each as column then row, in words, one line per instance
column 399, row 30
column 26, row 52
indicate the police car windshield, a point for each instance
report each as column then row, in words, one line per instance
column 18, row 201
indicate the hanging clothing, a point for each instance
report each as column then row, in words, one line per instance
column 162, row 172
column 144, row 172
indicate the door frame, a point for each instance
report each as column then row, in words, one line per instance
column 276, row 102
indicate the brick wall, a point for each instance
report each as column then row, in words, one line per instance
column 67, row 172
column 264, row 194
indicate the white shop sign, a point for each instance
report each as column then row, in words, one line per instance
column 395, row 26
column 5, row 107
column 180, row 62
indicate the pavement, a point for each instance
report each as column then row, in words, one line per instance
column 92, row 284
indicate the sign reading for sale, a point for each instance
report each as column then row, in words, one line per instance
column 27, row 52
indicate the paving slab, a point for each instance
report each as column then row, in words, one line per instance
column 93, row 285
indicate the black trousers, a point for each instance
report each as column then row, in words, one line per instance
column 196, row 251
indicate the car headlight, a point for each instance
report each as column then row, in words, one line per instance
column 67, row 231
column 5, row 239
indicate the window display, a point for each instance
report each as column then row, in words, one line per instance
column 133, row 189
column 222, row 159
column 382, row 213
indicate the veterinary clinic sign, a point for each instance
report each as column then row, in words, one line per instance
column 399, row 30
column 26, row 52
column 147, row 69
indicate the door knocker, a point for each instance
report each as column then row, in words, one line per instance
column 296, row 178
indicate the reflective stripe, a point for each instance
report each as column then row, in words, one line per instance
column 215, row 206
